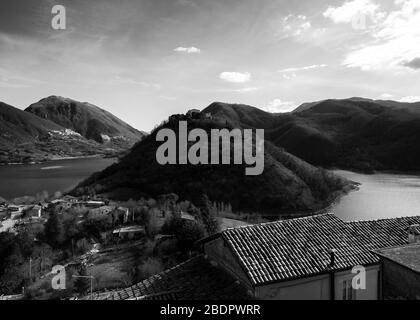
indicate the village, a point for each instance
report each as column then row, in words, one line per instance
column 115, row 243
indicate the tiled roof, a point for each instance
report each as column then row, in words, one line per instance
column 386, row 232
column 292, row 249
column 408, row 256
column 195, row 279
column 271, row 252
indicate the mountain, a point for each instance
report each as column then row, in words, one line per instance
column 90, row 121
column 288, row 185
column 26, row 137
column 356, row 133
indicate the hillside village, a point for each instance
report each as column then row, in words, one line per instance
column 119, row 242
column 304, row 258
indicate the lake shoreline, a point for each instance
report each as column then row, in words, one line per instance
column 57, row 158
column 51, row 176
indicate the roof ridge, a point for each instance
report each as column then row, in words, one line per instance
column 281, row 221
column 383, row 219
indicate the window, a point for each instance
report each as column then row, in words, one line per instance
column 348, row 291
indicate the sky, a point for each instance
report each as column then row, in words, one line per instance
column 144, row 60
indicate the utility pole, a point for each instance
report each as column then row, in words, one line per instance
column 30, row 270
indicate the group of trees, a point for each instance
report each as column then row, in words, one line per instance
column 15, row 252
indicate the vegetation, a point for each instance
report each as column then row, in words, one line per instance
column 358, row 134
column 287, row 185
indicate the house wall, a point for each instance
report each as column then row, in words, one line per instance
column 399, row 282
column 310, row 288
column 315, row 288
column 217, row 252
column 318, row 287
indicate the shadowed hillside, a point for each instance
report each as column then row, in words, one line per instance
column 355, row 133
column 287, row 185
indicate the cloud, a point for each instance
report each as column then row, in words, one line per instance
column 413, row 64
column 315, row 66
column 410, row 99
column 187, row 50
column 295, row 25
column 386, row 96
column 277, row 106
column 235, row 77
column 396, row 41
column 130, row 81
column 352, row 9
column 247, row 89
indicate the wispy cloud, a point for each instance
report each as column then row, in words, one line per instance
column 396, row 41
column 278, row 105
column 295, row 25
column 410, row 99
column 386, row 96
column 235, row 77
column 311, row 67
column 187, row 50
column 131, row 81
column 347, row 12
column 246, row 90
column 413, row 64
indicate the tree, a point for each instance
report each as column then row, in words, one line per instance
column 208, row 219
column 54, row 232
column 81, row 284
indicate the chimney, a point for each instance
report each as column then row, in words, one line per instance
column 414, row 233
column 332, row 257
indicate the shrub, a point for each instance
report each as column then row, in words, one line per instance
column 149, row 268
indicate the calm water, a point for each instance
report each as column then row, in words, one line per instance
column 380, row 196
column 62, row 175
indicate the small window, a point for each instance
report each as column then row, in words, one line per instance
column 348, row 291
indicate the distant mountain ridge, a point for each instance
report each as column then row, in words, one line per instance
column 355, row 133
column 89, row 120
column 33, row 135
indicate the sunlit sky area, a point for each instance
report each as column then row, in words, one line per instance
column 144, row 60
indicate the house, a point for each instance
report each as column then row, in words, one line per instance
column 94, row 204
column 309, row 258
column 194, row 114
column 101, row 211
column 183, row 216
column 70, row 199
column 61, row 204
column 15, row 211
column 400, row 272
column 400, row 268
column 208, row 116
column 34, row 211
column 129, row 233
column 125, row 212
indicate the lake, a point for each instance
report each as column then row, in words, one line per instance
column 381, row 195
column 52, row 176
